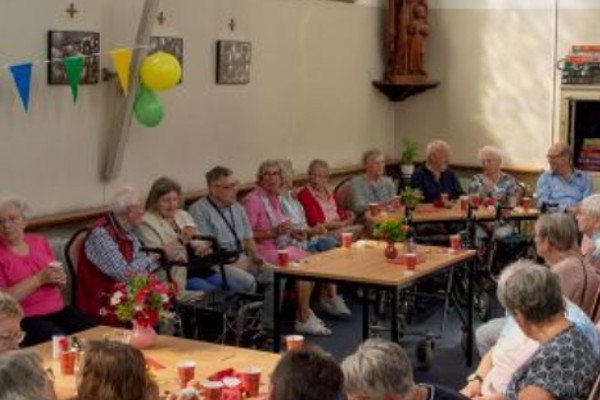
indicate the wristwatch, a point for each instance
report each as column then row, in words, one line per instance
column 474, row 377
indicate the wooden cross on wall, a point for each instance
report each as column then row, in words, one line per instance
column 161, row 18
column 72, row 10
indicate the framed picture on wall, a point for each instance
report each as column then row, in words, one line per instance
column 63, row 44
column 168, row 44
column 233, row 62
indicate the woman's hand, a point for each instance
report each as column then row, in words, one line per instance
column 202, row 248
column 52, row 274
column 299, row 234
column 283, row 228
column 188, row 232
column 350, row 217
column 472, row 389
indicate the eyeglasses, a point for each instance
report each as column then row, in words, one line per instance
column 229, row 186
column 15, row 337
column 12, row 220
column 271, row 173
column 554, row 155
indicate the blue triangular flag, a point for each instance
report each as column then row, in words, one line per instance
column 21, row 75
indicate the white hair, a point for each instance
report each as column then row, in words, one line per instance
column 126, row 198
column 19, row 202
column 287, row 171
column 435, row 146
column 492, row 151
column 591, row 205
column 22, row 377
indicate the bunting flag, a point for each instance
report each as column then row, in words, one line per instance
column 21, row 75
column 122, row 60
column 73, row 67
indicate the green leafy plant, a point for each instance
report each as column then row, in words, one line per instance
column 411, row 197
column 410, row 151
column 392, row 230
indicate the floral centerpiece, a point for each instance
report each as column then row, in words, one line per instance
column 411, row 197
column 393, row 231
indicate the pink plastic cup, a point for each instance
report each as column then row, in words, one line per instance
column 347, row 240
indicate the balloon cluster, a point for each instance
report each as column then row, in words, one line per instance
column 160, row 71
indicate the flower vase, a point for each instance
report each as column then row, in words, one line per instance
column 142, row 337
column 391, row 252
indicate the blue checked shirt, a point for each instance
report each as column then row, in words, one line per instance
column 553, row 189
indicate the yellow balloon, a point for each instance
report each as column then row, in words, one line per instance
column 160, row 71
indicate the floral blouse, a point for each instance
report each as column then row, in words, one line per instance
column 506, row 188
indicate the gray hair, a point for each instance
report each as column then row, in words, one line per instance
column 435, row 146
column 126, row 198
column 591, row 205
column 19, row 202
column 560, row 230
column 378, row 369
column 287, row 170
column 563, row 149
column 531, row 289
column 263, row 167
column 317, row 163
column 491, row 151
column 22, row 377
column 9, row 307
column 371, row 154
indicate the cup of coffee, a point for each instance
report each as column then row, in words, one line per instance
column 212, row 390
column 186, row 370
column 251, row 380
column 283, row 257
column 294, row 342
column 374, row 209
column 526, row 203
column 411, row 261
column 455, row 242
column 67, row 362
column 347, row 240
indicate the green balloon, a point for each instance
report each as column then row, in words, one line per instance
column 147, row 108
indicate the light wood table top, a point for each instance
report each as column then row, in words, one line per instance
column 365, row 263
column 167, row 351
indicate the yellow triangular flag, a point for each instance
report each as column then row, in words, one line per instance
column 122, row 60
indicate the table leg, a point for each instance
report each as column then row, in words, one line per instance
column 471, row 275
column 394, row 319
column 276, row 314
column 365, row 306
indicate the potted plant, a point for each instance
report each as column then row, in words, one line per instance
column 410, row 197
column 392, row 231
column 409, row 155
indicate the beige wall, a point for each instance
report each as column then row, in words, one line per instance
column 495, row 61
column 309, row 96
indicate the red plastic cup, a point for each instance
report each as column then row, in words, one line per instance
column 374, row 209
column 67, row 362
column 411, row 261
column 212, row 390
column 347, row 240
column 186, row 370
column 283, row 258
column 294, row 341
column 251, row 380
column 464, row 203
column 444, row 199
column 526, row 203
column 455, row 242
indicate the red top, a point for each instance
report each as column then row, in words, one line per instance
column 312, row 208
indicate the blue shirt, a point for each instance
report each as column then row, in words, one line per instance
column 553, row 189
column 365, row 192
column 424, row 180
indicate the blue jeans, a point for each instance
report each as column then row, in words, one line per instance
column 210, row 284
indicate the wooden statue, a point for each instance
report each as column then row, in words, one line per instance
column 407, row 31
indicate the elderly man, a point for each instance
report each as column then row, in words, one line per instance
column 220, row 215
column 563, row 187
column 588, row 222
column 434, row 177
column 111, row 251
column 381, row 369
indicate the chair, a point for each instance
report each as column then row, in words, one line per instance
column 595, row 392
column 342, row 193
column 72, row 252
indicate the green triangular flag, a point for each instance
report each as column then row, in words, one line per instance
column 73, row 67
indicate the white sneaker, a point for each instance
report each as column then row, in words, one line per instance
column 335, row 306
column 312, row 326
column 311, row 314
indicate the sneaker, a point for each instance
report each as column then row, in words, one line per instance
column 311, row 314
column 312, row 326
column 335, row 306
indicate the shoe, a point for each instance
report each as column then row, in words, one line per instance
column 311, row 314
column 312, row 326
column 335, row 306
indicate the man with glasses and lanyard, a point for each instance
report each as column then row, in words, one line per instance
column 220, row 215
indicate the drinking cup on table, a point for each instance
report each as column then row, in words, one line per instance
column 212, row 390
column 347, row 240
column 396, row 202
column 444, row 199
column 294, row 341
column 251, row 380
column 455, row 242
column 283, row 257
column 186, row 370
column 374, row 209
column 411, row 261
column 475, row 200
column 464, row 203
column 526, row 203
column 67, row 362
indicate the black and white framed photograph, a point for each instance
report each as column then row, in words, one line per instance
column 233, row 62
column 63, row 44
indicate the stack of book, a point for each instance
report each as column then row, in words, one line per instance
column 582, row 65
column 589, row 156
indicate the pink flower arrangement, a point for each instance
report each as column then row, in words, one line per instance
column 142, row 299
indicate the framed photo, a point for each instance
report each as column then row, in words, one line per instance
column 233, row 62
column 168, row 44
column 63, row 44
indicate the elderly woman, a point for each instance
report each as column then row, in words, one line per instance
column 111, row 251
column 435, row 178
column 313, row 239
column 116, row 370
column 372, row 186
column 30, row 273
column 11, row 314
column 22, row 376
column 566, row 363
column 380, row 370
column 166, row 225
column 273, row 232
column 320, row 205
column 588, row 222
column 493, row 185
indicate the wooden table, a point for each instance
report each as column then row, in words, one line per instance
column 167, row 351
column 365, row 265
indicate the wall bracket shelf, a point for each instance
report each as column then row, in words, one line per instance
column 400, row 91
